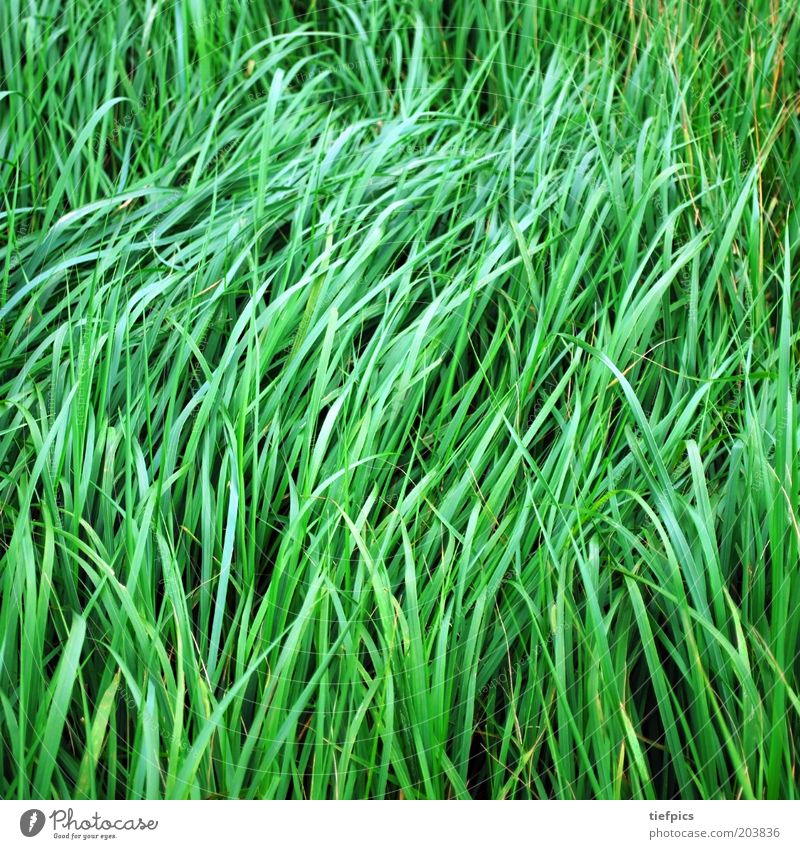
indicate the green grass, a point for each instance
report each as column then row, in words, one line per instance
column 399, row 399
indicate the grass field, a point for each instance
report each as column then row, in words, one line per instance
column 398, row 399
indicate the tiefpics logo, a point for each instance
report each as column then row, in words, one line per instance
column 31, row 822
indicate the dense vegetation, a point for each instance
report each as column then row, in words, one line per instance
column 398, row 398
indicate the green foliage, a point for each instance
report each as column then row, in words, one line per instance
column 399, row 399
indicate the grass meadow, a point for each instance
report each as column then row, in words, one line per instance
column 399, row 399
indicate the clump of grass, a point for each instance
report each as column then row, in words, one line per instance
column 399, row 400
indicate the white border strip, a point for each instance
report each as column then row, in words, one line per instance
column 409, row 825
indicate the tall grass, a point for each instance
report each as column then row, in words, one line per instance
column 399, row 399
